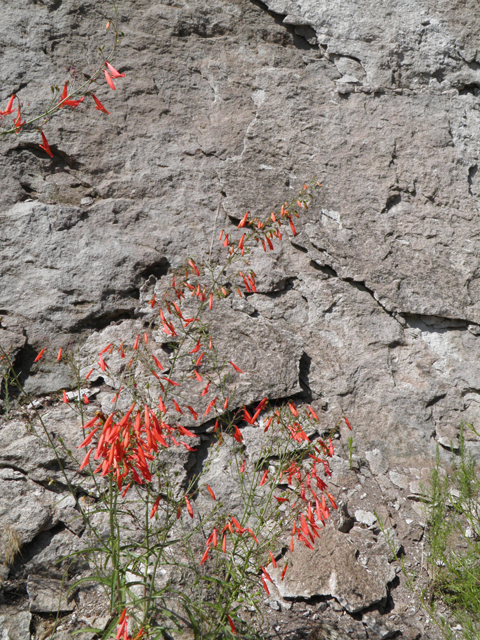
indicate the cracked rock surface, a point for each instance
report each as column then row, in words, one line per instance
column 372, row 311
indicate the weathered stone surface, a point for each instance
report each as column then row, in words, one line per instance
column 372, row 311
column 25, row 508
column 47, row 595
column 15, row 625
column 332, row 569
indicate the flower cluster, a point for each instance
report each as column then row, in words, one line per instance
column 195, row 382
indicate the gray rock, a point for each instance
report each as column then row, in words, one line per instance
column 372, row 310
column 377, row 462
column 47, row 595
column 15, row 625
column 332, row 569
column 25, row 511
column 365, row 517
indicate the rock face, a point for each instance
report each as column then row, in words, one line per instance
column 372, row 311
column 332, row 569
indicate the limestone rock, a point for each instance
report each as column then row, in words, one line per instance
column 332, row 569
column 15, row 625
column 47, row 595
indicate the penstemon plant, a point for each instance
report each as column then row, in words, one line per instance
column 70, row 97
column 170, row 553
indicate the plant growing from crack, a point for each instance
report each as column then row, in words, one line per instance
column 168, row 552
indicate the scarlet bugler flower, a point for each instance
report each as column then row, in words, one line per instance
column 235, row 367
column 232, row 626
column 243, row 221
column 9, row 108
column 45, row 146
column 155, row 507
column 189, row 507
column 99, row 106
column 210, row 491
column 69, row 103
column 210, row 406
column 114, row 73
column 109, row 80
column 39, row 355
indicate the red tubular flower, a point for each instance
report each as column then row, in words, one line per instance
column 185, row 432
column 18, row 121
column 232, row 626
column 192, row 411
column 114, row 73
column 265, row 586
column 139, row 634
column 88, row 439
column 264, row 478
column 205, row 555
column 69, row 103
column 225, row 405
column 284, row 571
column 331, row 450
column 235, row 367
column 242, row 468
column 210, row 407
column 243, row 221
column 267, row 424
column 85, row 399
column 293, row 408
column 177, row 408
column 312, row 412
column 135, row 345
column 266, row 574
column 175, row 384
column 332, row 501
column 348, row 423
column 109, row 80
column 86, row 459
column 39, row 355
column 224, row 543
column 194, row 267
column 196, row 348
column 158, row 363
column 274, row 562
column 238, row 434
column 205, row 391
column 45, row 146
column 65, row 398
column 189, row 507
column 155, row 507
column 105, row 349
column 9, row 108
column 252, row 534
column 293, row 227
column 89, row 374
column 99, row 106
column 102, row 364
column 210, row 491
